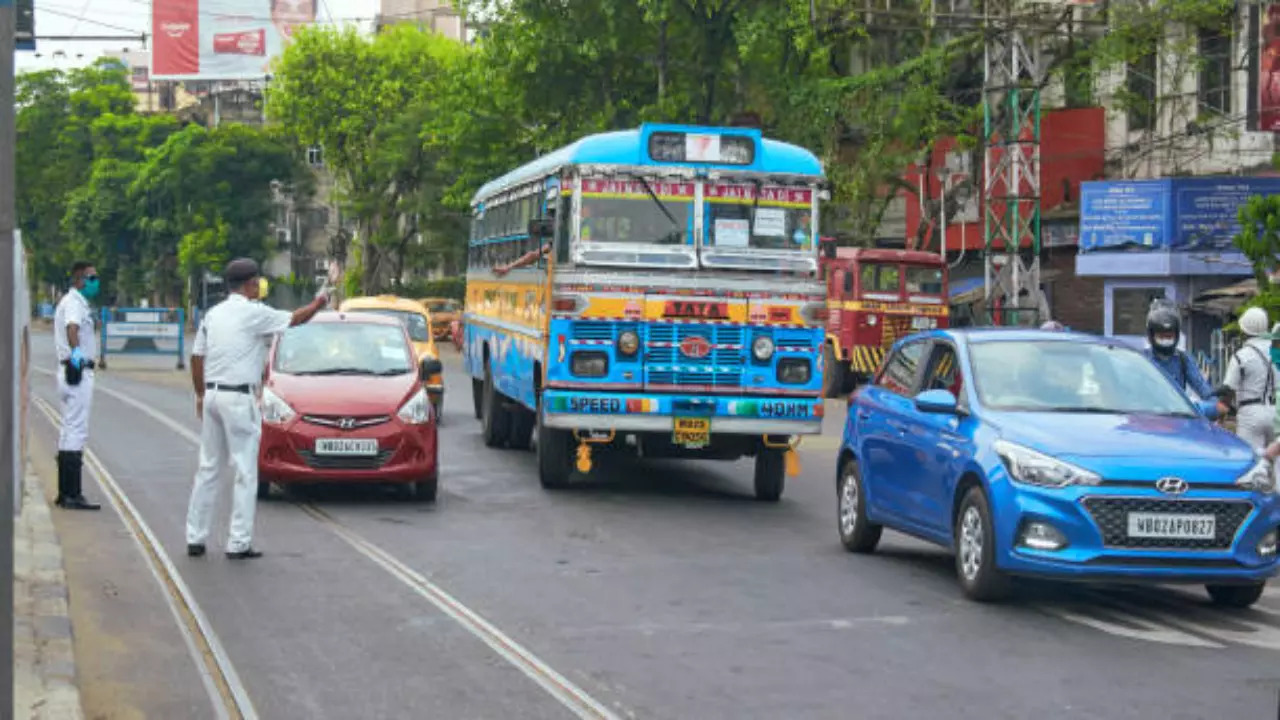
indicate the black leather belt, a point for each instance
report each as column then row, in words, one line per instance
column 242, row 389
column 1246, row 403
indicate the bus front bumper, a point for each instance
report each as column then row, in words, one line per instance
column 728, row 415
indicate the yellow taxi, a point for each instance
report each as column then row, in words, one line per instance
column 417, row 320
column 443, row 312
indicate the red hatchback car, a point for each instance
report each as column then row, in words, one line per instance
column 343, row 402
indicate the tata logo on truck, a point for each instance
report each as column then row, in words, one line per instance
column 696, row 309
column 695, row 347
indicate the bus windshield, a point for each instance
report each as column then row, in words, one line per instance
column 924, row 281
column 624, row 211
column 744, row 219
column 881, row 281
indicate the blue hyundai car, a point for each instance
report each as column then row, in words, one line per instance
column 1057, row 455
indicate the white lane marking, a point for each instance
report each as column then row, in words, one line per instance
column 167, row 576
column 1141, row 629
column 1196, row 619
column 568, row 694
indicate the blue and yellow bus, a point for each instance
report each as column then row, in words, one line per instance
column 653, row 290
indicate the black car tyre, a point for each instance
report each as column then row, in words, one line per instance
column 264, row 489
column 857, row 533
column 976, row 569
column 833, row 383
column 1236, row 596
column 425, row 490
column 770, row 474
column 496, row 420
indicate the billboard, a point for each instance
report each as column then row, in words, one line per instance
column 25, row 31
column 222, row 39
column 1186, row 214
column 1269, row 71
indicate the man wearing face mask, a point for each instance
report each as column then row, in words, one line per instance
column 76, row 344
column 1164, row 328
column 1252, row 377
column 227, row 362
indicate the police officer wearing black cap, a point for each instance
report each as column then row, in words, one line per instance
column 227, row 362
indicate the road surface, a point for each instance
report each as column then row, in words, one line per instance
column 663, row 592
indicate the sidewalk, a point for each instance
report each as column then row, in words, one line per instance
column 44, row 663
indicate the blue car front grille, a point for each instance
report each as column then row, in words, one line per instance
column 1112, row 518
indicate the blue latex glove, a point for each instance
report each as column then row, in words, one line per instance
column 77, row 358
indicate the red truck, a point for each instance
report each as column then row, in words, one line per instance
column 874, row 297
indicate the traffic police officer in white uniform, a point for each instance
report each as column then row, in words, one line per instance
column 1252, row 378
column 227, row 363
column 76, row 344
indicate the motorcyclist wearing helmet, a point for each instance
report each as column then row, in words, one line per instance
column 1164, row 328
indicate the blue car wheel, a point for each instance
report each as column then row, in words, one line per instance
column 980, row 579
column 857, row 533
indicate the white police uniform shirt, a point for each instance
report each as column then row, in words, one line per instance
column 234, row 337
column 73, row 309
column 75, row 401
column 233, row 340
column 1253, row 378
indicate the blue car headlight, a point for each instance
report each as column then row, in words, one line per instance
column 1259, row 478
column 1035, row 468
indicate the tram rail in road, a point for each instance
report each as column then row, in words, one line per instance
column 228, row 695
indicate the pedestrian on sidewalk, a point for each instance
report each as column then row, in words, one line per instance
column 76, row 345
column 227, row 363
column 1252, row 378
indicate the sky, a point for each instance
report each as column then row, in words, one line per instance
column 128, row 17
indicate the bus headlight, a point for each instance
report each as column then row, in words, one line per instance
column 762, row 348
column 628, row 342
column 590, row 364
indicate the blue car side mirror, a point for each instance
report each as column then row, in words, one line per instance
column 937, row 401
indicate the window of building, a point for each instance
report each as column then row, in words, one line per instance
column 315, row 156
column 1129, row 309
column 1214, row 91
column 1140, row 87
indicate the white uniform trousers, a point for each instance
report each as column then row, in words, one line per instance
column 75, row 401
column 230, row 434
column 1255, row 424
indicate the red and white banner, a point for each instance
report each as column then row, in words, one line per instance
column 635, row 187
column 769, row 194
column 1269, row 71
column 222, row 39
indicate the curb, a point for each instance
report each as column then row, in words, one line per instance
column 43, row 647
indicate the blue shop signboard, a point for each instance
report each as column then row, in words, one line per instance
column 1180, row 214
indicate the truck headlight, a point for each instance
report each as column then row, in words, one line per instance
column 590, row 364
column 762, row 348
column 794, row 371
column 274, row 409
column 628, row 342
column 1035, row 468
column 1258, row 478
column 417, row 410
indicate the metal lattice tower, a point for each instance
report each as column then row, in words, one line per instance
column 1014, row 70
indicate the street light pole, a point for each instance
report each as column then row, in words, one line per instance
column 12, row 466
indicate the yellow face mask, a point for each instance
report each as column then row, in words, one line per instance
column 263, row 288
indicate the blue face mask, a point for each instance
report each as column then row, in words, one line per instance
column 90, row 289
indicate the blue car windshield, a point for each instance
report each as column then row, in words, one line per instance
column 1064, row 376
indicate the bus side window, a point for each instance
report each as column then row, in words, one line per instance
column 562, row 230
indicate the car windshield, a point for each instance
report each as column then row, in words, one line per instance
column 414, row 322
column 624, row 211
column 1065, row 376
column 349, row 348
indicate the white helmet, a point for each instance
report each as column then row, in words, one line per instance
column 1254, row 322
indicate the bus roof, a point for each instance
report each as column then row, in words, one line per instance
column 917, row 257
column 629, row 148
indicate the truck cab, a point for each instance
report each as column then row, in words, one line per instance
column 874, row 297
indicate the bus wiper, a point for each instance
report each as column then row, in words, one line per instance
column 661, row 205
